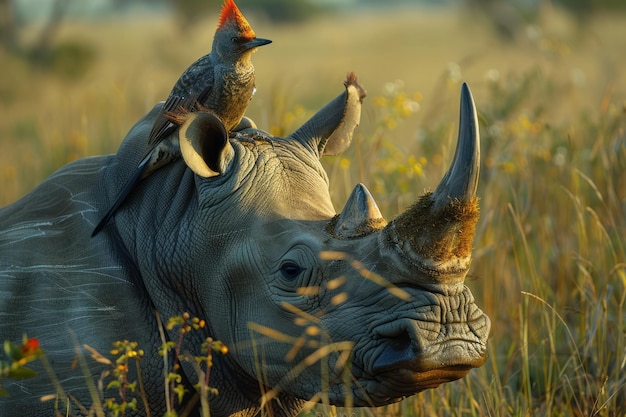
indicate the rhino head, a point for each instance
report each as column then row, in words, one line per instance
column 315, row 304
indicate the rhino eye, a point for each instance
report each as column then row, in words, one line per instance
column 290, row 270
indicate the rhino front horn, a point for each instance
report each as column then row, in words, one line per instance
column 437, row 232
column 461, row 180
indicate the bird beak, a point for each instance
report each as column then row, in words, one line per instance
column 256, row 42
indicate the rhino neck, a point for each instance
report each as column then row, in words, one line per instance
column 240, row 394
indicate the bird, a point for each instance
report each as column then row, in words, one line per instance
column 222, row 81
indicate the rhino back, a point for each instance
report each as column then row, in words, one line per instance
column 55, row 280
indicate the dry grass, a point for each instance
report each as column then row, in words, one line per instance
column 138, row 60
column 550, row 258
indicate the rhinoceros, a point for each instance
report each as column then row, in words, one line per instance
column 241, row 232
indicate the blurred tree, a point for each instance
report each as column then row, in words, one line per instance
column 10, row 25
column 8, row 38
column 70, row 59
column 506, row 18
column 583, row 10
column 191, row 11
column 283, row 10
column 41, row 51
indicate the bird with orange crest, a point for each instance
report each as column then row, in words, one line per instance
column 222, row 82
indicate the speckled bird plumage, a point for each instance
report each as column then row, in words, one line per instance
column 222, row 81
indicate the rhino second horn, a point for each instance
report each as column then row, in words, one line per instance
column 359, row 217
column 204, row 144
column 436, row 234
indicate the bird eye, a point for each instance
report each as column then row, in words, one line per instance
column 234, row 39
column 290, row 270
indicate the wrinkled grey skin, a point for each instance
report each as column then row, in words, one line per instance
column 249, row 250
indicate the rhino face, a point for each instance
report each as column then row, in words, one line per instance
column 340, row 305
column 380, row 328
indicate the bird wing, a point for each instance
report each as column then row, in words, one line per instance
column 193, row 85
column 163, row 126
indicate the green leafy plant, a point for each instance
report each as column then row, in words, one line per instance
column 117, row 394
column 18, row 357
column 175, row 391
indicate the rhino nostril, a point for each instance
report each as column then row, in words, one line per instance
column 396, row 350
column 401, row 342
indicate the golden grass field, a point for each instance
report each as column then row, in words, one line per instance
column 550, row 251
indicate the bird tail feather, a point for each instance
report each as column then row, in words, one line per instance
column 128, row 187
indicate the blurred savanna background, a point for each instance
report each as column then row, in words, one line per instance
column 549, row 82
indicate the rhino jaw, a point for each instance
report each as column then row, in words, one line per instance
column 431, row 341
column 436, row 233
column 431, row 344
column 400, row 373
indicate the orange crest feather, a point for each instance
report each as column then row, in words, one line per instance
column 231, row 13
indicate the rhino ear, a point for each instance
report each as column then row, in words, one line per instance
column 330, row 130
column 204, row 144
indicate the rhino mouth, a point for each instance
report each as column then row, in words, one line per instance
column 429, row 346
column 393, row 385
column 398, row 372
column 401, row 352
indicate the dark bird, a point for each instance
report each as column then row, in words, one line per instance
column 221, row 81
